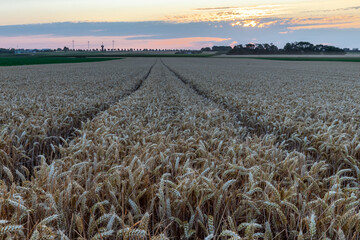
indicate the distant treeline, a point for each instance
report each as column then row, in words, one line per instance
column 289, row 48
column 247, row 49
column 3, row 50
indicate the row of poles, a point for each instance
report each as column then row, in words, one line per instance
column 73, row 45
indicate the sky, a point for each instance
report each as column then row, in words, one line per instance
column 169, row 24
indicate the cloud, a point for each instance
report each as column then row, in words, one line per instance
column 233, row 14
column 324, row 20
column 345, row 21
column 234, row 43
column 263, row 23
column 319, row 26
column 260, row 17
column 342, row 30
column 266, row 16
column 157, row 30
column 246, row 23
column 349, row 8
column 51, row 41
column 213, row 9
column 337, row 9
column 268, row 24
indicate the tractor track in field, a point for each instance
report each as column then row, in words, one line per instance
column 199, row 91
column 253, row 128
column 92, row 114
column 204, row 95
column 192, row 86
column 53, row 142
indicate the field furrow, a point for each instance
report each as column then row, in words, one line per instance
column 314, row 115
column 43, row 106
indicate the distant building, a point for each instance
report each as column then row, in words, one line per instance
column 102, row 47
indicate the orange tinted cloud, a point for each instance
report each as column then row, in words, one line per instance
column 301, row 15
column 254, row 23
column 191, row 42
column 50, row 41
column 250, row 23
column 339, row 26
column 227, row 14
column 325, row 22
column 267, row 24
column 246, row 23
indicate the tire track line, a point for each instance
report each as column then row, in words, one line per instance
column 51, row 143
column 244, row 120
column 207, row 98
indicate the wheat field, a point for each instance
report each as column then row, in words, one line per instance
column 179, row 148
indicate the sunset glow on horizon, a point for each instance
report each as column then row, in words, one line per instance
column 163, row 18
column 83, row 42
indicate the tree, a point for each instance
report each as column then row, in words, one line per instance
column 221, row 48
column 259, row 47
column 288, row 47
column 273, row 48
column 250, row 46
column 267, row 46
column 206, row 49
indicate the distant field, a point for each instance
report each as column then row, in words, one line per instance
column 78, row 57
column 165, row 55
column 122, row 54
column 318, row 59
column 31, row 60
column 144, row 55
